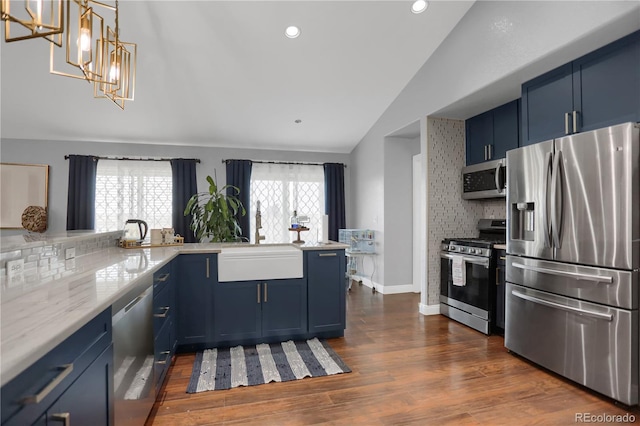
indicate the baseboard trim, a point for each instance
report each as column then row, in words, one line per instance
column 429, row 309
column 389, row 289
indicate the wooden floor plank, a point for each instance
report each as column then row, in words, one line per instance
column 407, row 369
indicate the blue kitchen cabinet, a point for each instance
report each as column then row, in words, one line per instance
column 87, row 400
column 546, row 101
column 284, row 308
column 506, row 129
column 254, row 311
column 479, row 135
column 237, row 311
column 606, row 85
column 326, row 286
column 491, row 134
column 597, row 90
column 79, row 371
column 198, row 274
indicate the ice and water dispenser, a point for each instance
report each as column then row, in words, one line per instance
column 523, row 221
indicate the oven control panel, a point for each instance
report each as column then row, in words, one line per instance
column 474, row 251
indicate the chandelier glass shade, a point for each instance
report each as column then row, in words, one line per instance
column 26, row 19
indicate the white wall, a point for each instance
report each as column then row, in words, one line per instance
column 494, row 49
column 398, row 213
column 53, row 152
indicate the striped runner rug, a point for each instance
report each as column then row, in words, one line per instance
column 226, row 368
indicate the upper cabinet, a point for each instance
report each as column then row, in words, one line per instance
column 491, row 134
column 597, row 90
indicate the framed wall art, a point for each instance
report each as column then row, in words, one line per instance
column 21, row 186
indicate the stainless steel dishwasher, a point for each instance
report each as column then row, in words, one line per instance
column 133, row 355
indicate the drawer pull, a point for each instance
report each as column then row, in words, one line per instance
column 328, row 254
column 568, row 274
column 66, row 369
column 164, row 277
column 62, row 417
column 598, row 315
column 164, row 314
column 164, row 361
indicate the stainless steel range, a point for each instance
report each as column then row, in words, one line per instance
column 468, row 276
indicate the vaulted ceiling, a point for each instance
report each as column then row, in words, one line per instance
column 222, row 73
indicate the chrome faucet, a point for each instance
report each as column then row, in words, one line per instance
column 258, row 237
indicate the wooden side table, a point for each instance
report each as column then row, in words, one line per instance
column 298, row 230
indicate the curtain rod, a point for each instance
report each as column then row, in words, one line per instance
column 66, row 157
column 282, row 162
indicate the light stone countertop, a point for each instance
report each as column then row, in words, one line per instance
column 36, row 317
column 32, row 239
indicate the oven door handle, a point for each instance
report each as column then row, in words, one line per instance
column 482, row 261
column 598, row 315
column 568, row 274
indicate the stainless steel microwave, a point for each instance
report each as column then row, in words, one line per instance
column 485, row 180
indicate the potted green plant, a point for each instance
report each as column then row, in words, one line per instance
column 213, row 214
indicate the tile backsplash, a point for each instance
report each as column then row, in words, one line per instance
column 47, row 262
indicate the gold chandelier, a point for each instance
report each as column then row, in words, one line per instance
column 33, row 19
column 80, row 47
column 118, row 68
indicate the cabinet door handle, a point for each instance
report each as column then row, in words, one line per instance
column 328, row 254
column 258, row 291
column 566, row 123
column 164, row 314
column 164, row 277
column 166, row 358
column 62, row 417
column 490, row 150
column 575, row 121
column 66, row 369
column 207, row 267
column 485, row 153
column 265, row 292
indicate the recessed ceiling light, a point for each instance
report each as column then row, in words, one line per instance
column 419, row 6
column 298, row 121
column 292, row 31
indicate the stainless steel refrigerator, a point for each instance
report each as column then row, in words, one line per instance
column 573, row 245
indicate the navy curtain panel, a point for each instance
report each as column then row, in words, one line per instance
column 334, row 198
column 239, row 175
column 184, row 185
column 81, row 194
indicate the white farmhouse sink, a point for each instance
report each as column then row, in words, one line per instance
column 259, row 262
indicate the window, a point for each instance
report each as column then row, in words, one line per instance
column 281, row 189
column 128, row 189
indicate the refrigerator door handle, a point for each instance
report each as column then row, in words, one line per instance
column 545, row 210
column 575, row 275
column 598, row 315
column 498, row 183
column 556, row 205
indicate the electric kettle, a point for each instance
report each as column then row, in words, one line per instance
column 135, row 230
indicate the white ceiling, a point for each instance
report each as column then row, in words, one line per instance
column 222, row 73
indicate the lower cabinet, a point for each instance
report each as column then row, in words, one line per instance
column 254, row 310
column 194, row 282
column 74, row 381
column 87, row 400
column 325, row 272
column 163, row 321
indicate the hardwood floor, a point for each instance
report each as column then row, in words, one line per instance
column 407, row 369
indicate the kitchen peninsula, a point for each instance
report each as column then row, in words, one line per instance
column 62, row 292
